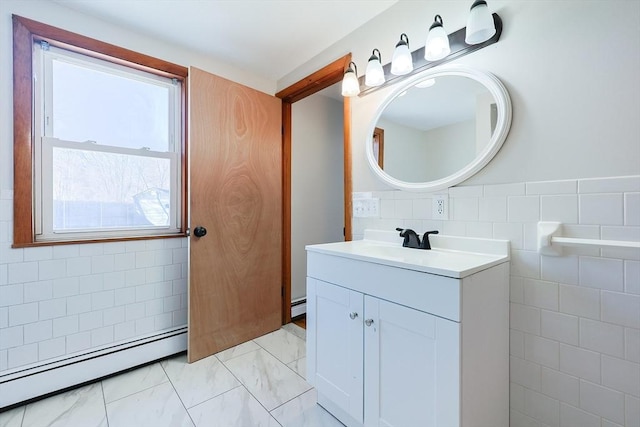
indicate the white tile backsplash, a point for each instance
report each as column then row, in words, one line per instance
column 552, row 187
column 621, row 309
column 601, row 209
column 622, row 375
column 602, row 401
column 38, row 331
column 602, row 273
column 580, row 301
column 575, row 337
column 523, row 208
column 570, row 416
column 543, row 351
column 563, row 208
column 602, row 337
column 538, row 293
column 609, row 185
column 562, row 269
column 64, row 299
column 558, row 385
column 464, row 208
column 632, row 411
column 632, row 344
column 560, row 327
column 632, row 209
column 541, row 407
column 492, row 209
column 525, row 318
column 525, row 373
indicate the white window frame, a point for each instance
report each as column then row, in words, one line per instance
column 43, row 56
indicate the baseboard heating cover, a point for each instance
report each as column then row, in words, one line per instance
column 298, row 307
column 33, row 381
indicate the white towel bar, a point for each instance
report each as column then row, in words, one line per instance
column 548, row 243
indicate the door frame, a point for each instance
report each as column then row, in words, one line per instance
column 321, row 79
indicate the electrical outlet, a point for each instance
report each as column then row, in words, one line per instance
column 440, row 207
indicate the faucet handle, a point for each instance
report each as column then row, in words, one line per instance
column 411, row 238
column 425, row 239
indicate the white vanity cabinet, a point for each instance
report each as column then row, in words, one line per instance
column 392, row 346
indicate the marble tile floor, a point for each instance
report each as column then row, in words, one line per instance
column 258, row 383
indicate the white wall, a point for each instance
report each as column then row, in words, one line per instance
column 317, row 201
column 572, row 80
column 572, row 155
column 63, row 300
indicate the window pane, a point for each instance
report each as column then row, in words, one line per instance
column 93, row 105
column 93, row 189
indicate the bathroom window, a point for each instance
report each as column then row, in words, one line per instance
column 107, row 146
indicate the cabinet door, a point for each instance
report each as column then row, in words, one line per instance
column 412, row 366
column 335, row 344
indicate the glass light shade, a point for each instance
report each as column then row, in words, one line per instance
column 375, row 74
column 350, row 83
column 437, row 44
column 480, row 25
column 402, row 62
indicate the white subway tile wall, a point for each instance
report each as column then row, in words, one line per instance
column 574, row 319
column 59, row 300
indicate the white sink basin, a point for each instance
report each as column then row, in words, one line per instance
column 449, row 256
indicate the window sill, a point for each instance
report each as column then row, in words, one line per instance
column 97, row 240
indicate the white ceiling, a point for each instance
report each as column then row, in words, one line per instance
column 270, row 38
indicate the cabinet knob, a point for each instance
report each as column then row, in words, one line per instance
column 368, row 322
column 353, row 315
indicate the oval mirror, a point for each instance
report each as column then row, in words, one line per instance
column 438, row 128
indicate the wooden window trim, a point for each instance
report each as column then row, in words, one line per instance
column 25, row 33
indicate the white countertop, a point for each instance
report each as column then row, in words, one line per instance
column 450, row 256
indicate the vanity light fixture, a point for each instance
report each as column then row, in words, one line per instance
column 480, row 25
column 402, row 62
column 437, row 44
column 375, row 74
column 483, row 29
column 350, row 84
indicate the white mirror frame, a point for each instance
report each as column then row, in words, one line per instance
column 503, row 123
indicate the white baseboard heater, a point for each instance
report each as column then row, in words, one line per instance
column 25, row 383
column 298, row 307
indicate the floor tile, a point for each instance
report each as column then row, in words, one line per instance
column 299, row 366
column 283, row 344
column 235, row 408
column 83, row 406
column 158, row 406
column 296, row 330
column 122, row 385
column 236, row 351
column 304, row 411
column 198, row 381
column 266, row 378
column 12, row 418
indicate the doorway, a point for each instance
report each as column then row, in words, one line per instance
column 321, row 79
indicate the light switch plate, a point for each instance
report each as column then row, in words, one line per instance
column 366, row 208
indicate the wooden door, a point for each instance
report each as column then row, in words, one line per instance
column 235, row 272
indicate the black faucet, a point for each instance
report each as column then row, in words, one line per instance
column 411, row 238
column 425, row 239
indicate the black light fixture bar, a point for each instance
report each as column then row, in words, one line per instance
column 458, row 48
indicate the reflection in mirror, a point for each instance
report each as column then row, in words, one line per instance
column 434, row 128
column 378, row 146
